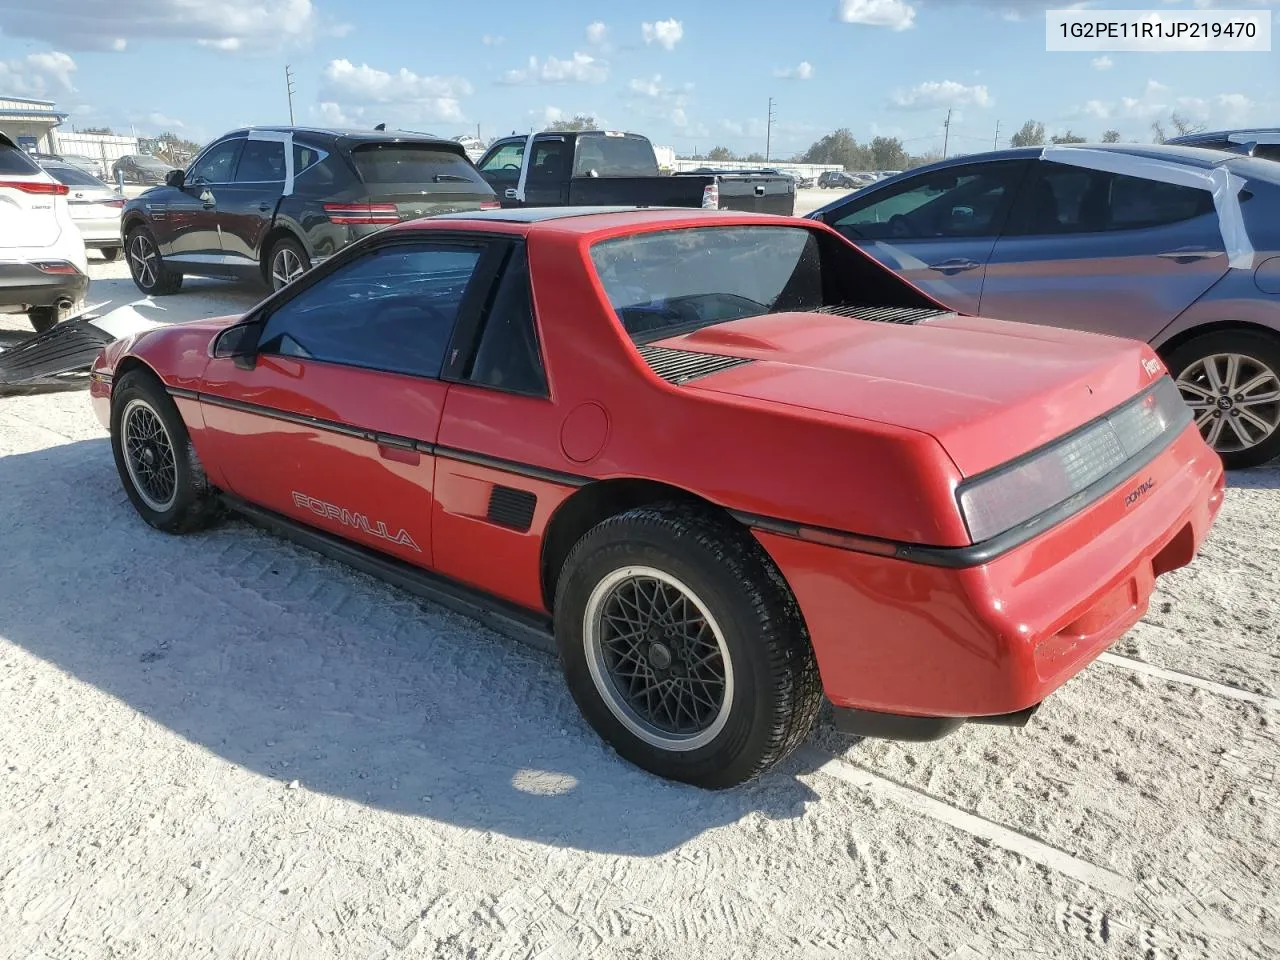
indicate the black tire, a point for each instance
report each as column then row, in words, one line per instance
column 285, row 253
column 775, row 693
column 193, row 504
column 1259, row 355
column 43, row 318
column 110, row 254
column 160, row 280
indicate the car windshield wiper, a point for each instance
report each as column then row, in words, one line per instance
column 451, row 177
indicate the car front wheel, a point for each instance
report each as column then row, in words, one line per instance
column 683, row 648
column 157, row 463
column 150, row 273
column 1231, row 380
column 288, row 262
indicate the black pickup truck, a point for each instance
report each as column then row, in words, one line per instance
column 604, row 168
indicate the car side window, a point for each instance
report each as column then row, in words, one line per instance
column 549, row 160
column 966, row 202
column 261, row 162
column 218, row 164
column 506, row 158
column 1065, row 199
column 1267, row 151
column 508, row 356
column 392, row 309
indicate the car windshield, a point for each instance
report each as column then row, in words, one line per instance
column 677, row 281
column 152, row 163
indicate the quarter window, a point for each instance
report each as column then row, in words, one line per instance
column 393, row 309
column 507, row 157
column 218, row 164
column 968, row 202
column 508, row 356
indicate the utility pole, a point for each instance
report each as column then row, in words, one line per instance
column 995, row 141
column 768, row 135
column 288, row 86
column 946, row 133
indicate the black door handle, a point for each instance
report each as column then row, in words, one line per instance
column 1189, row 254
column 955, row 265
column 264, row 207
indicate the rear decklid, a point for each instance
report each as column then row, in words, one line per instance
column 987, row 390
column 407, row 179
column 28, row 201
column 89, row 198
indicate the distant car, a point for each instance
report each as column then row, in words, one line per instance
column 88, row 164
column 1041, row 239
column 140, row 168
column 728, row 462
column 43, row 268
column 1261, row 142
column 836, row 179
column 95, row 207
column 268, row 203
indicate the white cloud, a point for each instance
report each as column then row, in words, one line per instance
column 597, row 32
column 580, row 68
column 352, row 88
column 657, row 102
column 489, row 40
column 1102, row 63
column 1225, row 109
column 158, row 119
column 802, row 71
column 647, row 88
column 38, row 75
column 1096, row 108
column 934, row 94
column 249, row 26
column 1155, row 87
column 665, row 33
column 895, row 14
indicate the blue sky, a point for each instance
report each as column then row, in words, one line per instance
column 686, row 74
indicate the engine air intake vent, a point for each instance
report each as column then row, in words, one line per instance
column 509, row 507
column 885, row 314
column 681, row 366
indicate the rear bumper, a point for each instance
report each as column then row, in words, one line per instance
column 911, row 650
column 26, row 285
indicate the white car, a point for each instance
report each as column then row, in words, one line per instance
column 43, row 268
column 95, row 207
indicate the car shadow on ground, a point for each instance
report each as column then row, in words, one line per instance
column 198, row 299
column 296, row 668
column 1257, row 478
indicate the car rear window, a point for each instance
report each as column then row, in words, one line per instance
column 615, row 157
column 74, row 177
column 413, row 163
column 675, row 281
column 13, row 160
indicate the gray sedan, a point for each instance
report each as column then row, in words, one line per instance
column 1177, row 246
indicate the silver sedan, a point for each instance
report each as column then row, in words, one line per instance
column 95, row 207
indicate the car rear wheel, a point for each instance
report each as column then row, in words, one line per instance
column 158, row 466
column 683, row 647
column 288, row 262
column 1231, row 380
column 110, row 254
column 150, row 273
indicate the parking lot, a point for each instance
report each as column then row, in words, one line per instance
column 223, row 745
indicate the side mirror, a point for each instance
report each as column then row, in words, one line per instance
column 238, row 343
column 175, row 178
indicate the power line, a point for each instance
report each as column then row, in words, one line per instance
column 288, row 85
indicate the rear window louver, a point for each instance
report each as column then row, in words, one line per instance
column 681, row 366
column 884, row 314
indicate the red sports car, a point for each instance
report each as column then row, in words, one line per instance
column 728, row 462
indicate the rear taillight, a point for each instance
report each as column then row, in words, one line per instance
column 55, row 266
column 491, row 205
column 37, row 187
column 118, row 204
column 362, row 213
column 711, row 197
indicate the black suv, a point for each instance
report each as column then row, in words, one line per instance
column 267, row 203
column 836, row 178
column 1261, row 142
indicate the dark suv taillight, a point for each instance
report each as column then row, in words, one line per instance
column 362, row 213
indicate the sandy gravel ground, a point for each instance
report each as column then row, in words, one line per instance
column 222, row 746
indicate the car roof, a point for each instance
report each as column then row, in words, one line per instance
column 1177, row 153
column 589, row 220
column 1213, row 135
column 350, row 133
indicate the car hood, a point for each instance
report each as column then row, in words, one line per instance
column 986, row 390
